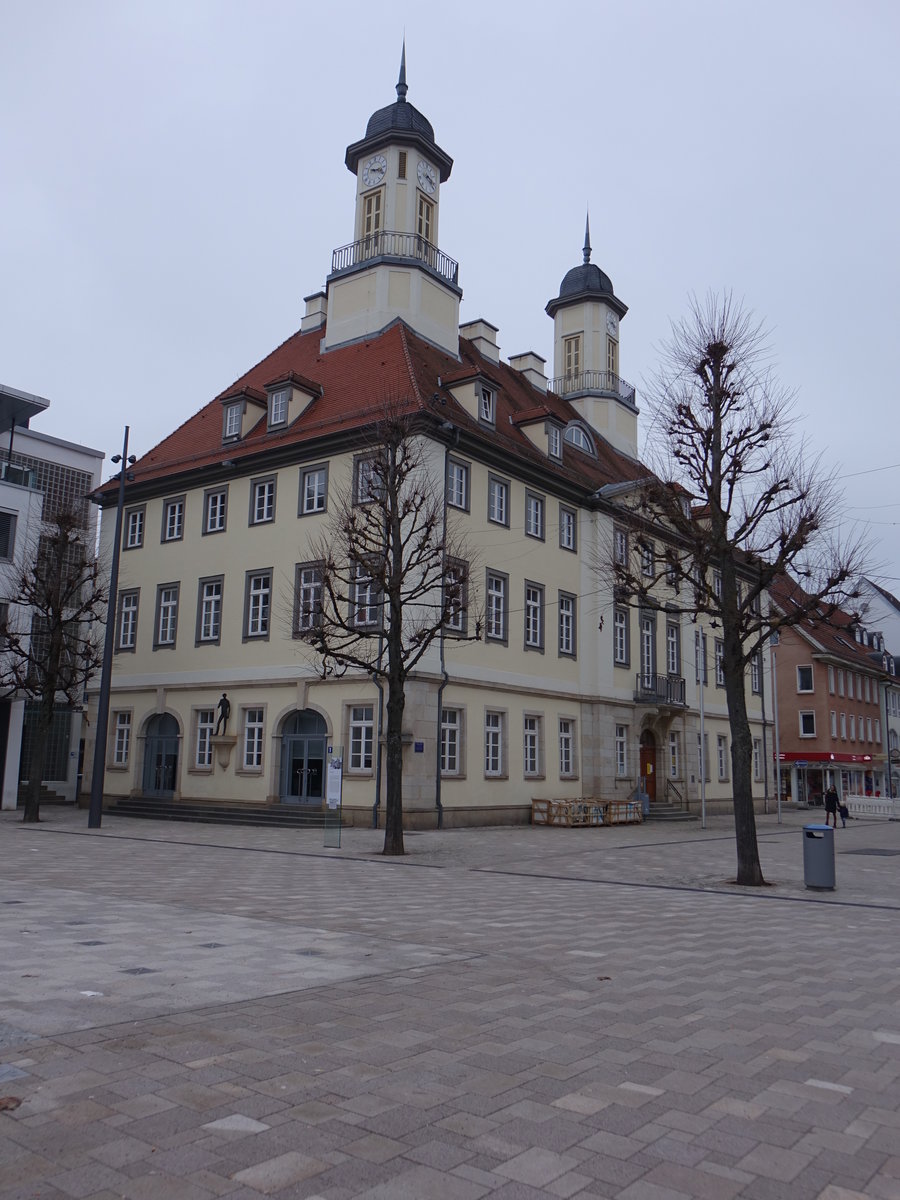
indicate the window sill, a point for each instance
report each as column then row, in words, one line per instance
column 118, row 767
column 493, row 778
column 249, row 771
column 362, row 773
column 199, row 770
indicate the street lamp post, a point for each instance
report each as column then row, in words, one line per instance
column 97, row 776
column 773, row 641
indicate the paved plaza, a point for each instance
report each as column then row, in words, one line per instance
column 195, row 1011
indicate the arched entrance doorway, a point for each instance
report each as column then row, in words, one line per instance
column 303, row 745
column 160, row 755
column 648, row 763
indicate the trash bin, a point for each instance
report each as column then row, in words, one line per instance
column 818, row 857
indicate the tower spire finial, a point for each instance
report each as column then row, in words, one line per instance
column 401, row 82
column 587, row 237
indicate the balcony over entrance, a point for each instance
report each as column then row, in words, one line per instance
column 667, row 691
column 395, row 248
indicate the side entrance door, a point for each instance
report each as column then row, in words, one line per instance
column 648, row 764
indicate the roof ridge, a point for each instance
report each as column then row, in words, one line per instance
column 407, row 358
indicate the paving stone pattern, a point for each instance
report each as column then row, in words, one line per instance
column 191, row 1011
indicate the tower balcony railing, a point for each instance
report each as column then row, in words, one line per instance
column 667, row 690
column 395, row 247
column 607, row 382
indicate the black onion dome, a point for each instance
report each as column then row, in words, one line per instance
column 400, row 122
column 586, row 280
column 399, row 116
column 587, row 277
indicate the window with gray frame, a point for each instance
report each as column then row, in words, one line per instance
column 173, row 519
column 534, row 616
column 496, row 607
column 458, row 484
column 313, row 489
column 133, row 532
column 257, row 602
column 534, row 515
column 621, row 637
column 568, row 538
column 209, row 610
column 498, row 500
column 456, row 596
column 567, row 643
column 308, row 598
column 126, row 634
column 166, row 623
column 262, row 501
column 673, row 648
column 215, row 509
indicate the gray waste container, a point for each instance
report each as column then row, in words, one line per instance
column 818, row 856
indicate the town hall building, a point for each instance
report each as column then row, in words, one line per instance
column 568, row 690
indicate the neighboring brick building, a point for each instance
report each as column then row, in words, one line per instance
column 831, row 678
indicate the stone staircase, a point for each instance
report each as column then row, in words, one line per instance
column 665, row 810
column 221, row 813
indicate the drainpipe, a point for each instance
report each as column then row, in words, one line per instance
column 377, row 805
column 765, row 765
column 445, row 678
column 886, row 743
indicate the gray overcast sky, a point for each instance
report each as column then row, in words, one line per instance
column 172, row 184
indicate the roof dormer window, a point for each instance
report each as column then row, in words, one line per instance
column 554, row 441
column 576, row 435
column 278, row 407
column 232, row 428
column 486, row 406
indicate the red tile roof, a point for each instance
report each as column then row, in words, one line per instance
column 830, row 628
column 350, row 385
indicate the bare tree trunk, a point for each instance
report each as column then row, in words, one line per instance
column 393, row 816
column 39, row 740
column 749, row 871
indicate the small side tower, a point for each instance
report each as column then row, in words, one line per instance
column 586, row 316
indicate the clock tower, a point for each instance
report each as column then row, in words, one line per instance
column 586, row 316
column 394, row 268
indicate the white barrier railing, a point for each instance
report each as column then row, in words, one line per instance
column 870, row 806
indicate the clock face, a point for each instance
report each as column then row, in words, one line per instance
column 427, row 177
column 374, row 170
column 612, row 324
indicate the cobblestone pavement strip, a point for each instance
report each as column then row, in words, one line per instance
column 195, row 1011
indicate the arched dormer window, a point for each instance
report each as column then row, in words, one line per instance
column 576, row 435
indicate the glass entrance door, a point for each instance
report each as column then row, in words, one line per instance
column 303, row 771
column 303, row 750
column 160, row 756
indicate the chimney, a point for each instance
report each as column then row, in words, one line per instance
column 484, row 337
column 532, row 367
column 316, row 310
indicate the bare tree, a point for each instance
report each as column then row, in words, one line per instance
column 740, row 503
column 390, row 578
column 51, row 644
